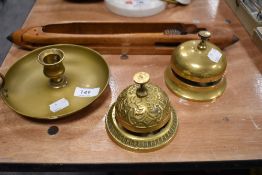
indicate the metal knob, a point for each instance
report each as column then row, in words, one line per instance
column 141, row 78
column 204, row 36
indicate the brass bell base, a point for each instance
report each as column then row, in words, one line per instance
column 140, row 142
column 191, row 92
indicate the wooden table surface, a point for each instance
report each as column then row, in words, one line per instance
column 227, row 129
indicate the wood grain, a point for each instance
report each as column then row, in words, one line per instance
column 229, row 128
column 158, row 37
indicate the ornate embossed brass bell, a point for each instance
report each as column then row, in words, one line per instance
column 197, row 70
column 142, row 118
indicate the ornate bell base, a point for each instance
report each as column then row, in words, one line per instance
column 191, row 92
column 140, row 142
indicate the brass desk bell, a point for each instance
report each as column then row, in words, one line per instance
column 197, row 70
column 142, row 118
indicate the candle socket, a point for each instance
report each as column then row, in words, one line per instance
column 52, row 61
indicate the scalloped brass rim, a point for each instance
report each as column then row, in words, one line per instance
column 193, row 93
column 146, row 143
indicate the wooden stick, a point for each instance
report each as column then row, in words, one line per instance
column 157, row 38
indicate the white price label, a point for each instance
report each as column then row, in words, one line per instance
column 59, row 105
column 214, row 55
column 86, row 92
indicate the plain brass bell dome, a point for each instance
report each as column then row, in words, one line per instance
column 142, row 118
column 197, row 70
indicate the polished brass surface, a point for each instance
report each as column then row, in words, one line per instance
column 204, row 35
column 141, row 78
column 51, row 59
column 142, row 113
column 197, row 70
column 198, row 92
column 140, row 142
column 27, row 90
column 142, row 118
column 193, row 63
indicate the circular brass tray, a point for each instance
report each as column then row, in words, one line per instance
column 26, row 90
column 143, row 142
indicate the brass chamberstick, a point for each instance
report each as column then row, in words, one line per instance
column 27, row 90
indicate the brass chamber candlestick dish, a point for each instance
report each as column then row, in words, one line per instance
column 197, row 70
column 54, row 69
column 142, row 118
column 68, row 78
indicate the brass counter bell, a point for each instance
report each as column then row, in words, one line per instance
column 142, row 118
column 197, row 70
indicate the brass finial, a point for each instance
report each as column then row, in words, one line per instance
column 204, row 35
column 141, row 78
